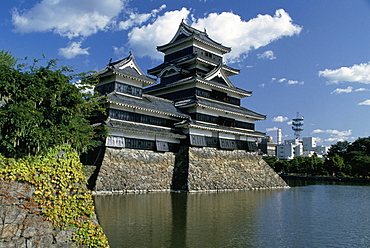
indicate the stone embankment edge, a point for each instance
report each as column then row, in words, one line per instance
column 121, row 192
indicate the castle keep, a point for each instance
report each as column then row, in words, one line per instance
column 186, row 132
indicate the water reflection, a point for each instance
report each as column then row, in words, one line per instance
column 309, row 216
column 180, row 219
column 136, row 220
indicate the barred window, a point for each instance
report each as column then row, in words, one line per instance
column 135, row 117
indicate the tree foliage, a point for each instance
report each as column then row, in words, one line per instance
column 335, row 165
column 343, row 159
column 339, row 148
column 44, row 106
column 6, row 58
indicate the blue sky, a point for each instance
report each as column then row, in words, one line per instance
column 311, row 57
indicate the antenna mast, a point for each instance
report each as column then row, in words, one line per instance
column 297, row 126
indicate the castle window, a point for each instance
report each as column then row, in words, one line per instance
column 228, row 144
column 197, row 140
column 227, row 122
column 162, row 146
column 219, row 95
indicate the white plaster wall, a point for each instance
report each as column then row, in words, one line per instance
column 142, row 136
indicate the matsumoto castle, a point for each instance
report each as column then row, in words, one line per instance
column 194, row 103
column 185, row 131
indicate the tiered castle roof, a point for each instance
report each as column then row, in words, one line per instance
column 194, row 99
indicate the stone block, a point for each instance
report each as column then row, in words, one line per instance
column 8, row 230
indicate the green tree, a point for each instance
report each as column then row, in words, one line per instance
column 283, row 166
column 335, row 166
column 6, row 58
column 42, row 107
column 297, row 165
column 339, row 148
column 360, row 166
column 271, row 161
column 313, row 165
column 361, row 144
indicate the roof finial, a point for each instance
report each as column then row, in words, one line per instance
column 130, row 53
column 110, row 65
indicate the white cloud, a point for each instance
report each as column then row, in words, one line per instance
column 356, row 73
column 267, row 55
column 349, row 89
column 68, row 18
column 73, row 50
column 242, row 35
column 271, row 129
column 366, row 102
column 292, row 82
column 138, row 19
column 334, row 132
column 72, row 19
column 144, row 40
column 335, row 135
column 280, row 118
column 361, row 89
column 287, row 81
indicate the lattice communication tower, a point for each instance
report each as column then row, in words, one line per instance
column 297, row 126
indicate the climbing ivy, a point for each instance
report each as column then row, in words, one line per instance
column 59, row 182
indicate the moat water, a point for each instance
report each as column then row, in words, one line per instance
column 309, row 215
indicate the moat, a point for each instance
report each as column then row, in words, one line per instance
column 313, row 214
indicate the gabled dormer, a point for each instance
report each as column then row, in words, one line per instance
column 187, row 36
column 123, row 76
column 218, row 75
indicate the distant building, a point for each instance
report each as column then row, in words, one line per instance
column 309, row 146
column 279, row 136
column 289, row 149
column 267, row 147
column 296, row 148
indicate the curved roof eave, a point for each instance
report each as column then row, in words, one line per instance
column 237, row 110
column 231, row 112
column 236, row 113
column 240, row 92
column 255, row 134
column 221, row 48
column 138, row 128
column 147, row 82
column 147, row 109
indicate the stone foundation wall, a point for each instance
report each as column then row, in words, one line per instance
column 212, row 169
column 21, row 222
column 130, row 170
column 191, row 169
